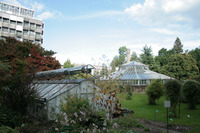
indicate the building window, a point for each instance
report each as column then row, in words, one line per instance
column 19, row 23
column 12, row 22
column 135, row 82
column 12, row 31
column 32, row 33
column 143, row 82
column 4, row 29
column 26, row 23
column 5, row 20
column 38, row 26
column 25, row 32
column 125, row 82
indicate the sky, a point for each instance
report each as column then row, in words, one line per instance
column 85, row 30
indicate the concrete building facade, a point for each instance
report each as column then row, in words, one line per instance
column 19, row 22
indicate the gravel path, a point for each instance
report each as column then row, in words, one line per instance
column 159, row 127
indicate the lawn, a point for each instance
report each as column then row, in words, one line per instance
column 139, row 103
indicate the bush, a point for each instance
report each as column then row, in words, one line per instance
column 154, row 91
column 173, row 88
column 191, row 93
column 9, row 117
column 6, row 129
column 78, row 115
column 129, row 92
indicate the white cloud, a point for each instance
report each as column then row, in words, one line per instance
column 164, row 12
column 45, row 15
column 37, row 6
column 14, row 2
column 164, row 31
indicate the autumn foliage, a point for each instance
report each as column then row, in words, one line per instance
column 19, row 61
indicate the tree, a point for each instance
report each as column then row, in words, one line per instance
column 163, row 56
column 147, row 57
column 68, row 64
column 115, row 63
column 181, row 67
column 196, row 55
column 173, row 89
column 120, row 59
column 178, row 46
column 19, row 61
column 154, row 91
column 134, row 57
column 122, row 55
column 191, row 93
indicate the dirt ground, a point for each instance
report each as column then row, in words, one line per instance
column 160, row 127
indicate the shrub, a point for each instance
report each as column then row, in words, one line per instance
column 78, row 115
column 6, row 129
column 9, row 117
column 129, row 92
column 173, row 88
column 154, row 91
column 191, row 93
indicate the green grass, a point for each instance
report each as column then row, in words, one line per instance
column 139, row 103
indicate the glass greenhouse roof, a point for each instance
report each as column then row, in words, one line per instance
column 48, row 89
column 66, row 71
column 137, row 71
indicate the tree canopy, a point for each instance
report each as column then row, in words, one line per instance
column 180, row 66
column 68, row 64
column 119, row 59
column 19, row 61
column 178, row 46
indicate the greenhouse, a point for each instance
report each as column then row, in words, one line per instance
column 53, row 86
column 137, row 75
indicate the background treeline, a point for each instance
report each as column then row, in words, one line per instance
column 173, row 62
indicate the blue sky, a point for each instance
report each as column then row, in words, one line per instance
column 84, row 30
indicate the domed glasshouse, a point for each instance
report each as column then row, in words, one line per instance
column 137, row 75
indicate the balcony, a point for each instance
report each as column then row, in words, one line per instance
column 38, row 30
column 31, row 38
column 4, row 33
column 38, row 37
column 26, row 27
column 12, row 35
column 12, row 26
column 5, row 24
column 32, row 27
column 26, row 37
column 19, row 34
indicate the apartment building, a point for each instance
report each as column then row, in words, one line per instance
column 19, row 22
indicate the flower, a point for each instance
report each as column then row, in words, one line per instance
column 80, row 119
column 115, row 125
column 72, row 121
column 75, row 114
column 104, row 128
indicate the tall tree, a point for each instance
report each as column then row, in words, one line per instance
column 178, row 46
column 18, row 63
column 119, row 59
column 115, row 63
column 147, row 57
column 163, row 56
column 68, row 64
column 181, row 67
column 122, row 55
column 196, row 55
column 134, row 57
